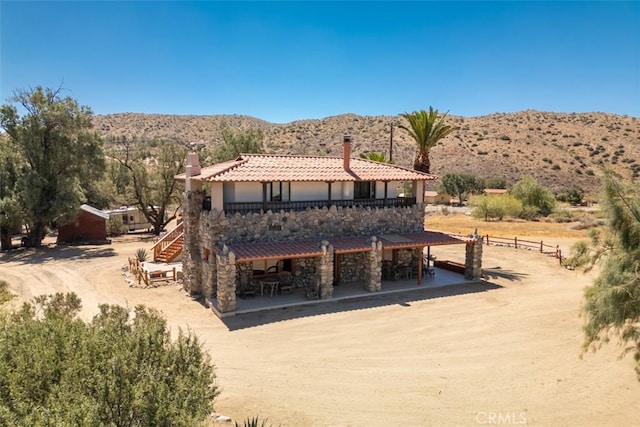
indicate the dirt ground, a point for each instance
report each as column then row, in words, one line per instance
column 503, row 351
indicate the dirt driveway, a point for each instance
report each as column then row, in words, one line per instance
column 504, row 351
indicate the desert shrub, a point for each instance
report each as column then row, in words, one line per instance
column 115, row 227
column 573, row 196
column 492, row 206
column 445, row 211
column 253, row 422
column 5, row 295
column 141, row 254
column 562, row 215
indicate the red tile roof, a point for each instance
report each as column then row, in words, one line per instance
column 420, row 238
column 273, row 167
column 257, row 251
column 311, row 248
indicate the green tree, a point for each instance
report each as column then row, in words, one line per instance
column 612, row 302
column 533, row 196
column 153, row 188
column 573, row 196
column 374, row 156
column 426, row 128
column 460, row 185
column 119, row 370
column 238, row 142
column 58, row 153
column 493, row 206
column 495, row 182
column 10, row 215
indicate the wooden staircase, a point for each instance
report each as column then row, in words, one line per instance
column 169, row 247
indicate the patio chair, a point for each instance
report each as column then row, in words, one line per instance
column 286, row 282
column 273, row 270
column 312, row 290
column 247, row 287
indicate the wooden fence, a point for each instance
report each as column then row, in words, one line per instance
column 515, row 242
column 148, row 277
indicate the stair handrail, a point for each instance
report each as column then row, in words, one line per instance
column 175, row 254
column 167, row 239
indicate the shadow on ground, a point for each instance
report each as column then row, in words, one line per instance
column 404, row 299
column 52, row 253
column 498, row 273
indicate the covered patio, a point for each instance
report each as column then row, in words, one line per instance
column 250, row 275
column 442, row 278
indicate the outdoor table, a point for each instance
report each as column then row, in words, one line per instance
column 272, row 282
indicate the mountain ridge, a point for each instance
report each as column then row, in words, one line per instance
column 561, row 150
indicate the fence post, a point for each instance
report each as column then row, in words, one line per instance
column 515, row 240
column 541, row 245
column 487, row 240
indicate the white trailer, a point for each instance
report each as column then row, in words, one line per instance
column 131, row 217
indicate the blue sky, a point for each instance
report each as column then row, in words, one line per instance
column 283, row 61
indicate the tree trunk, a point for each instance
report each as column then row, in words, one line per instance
column 5, row 238
column 422, row 163
column 35, row 236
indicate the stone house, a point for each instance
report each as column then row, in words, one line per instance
column 328, row 220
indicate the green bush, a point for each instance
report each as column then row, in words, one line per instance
column 5, row 295
column 115, row 227
column 536, row 199
column 493, row 206
column 121, row 369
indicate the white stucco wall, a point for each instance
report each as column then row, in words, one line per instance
column 216, row 192
column 392, row 189
column 300, row 191
column 242, row 192
column 309, row 191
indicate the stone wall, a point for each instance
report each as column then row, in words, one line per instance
column 304, row 271
column 352, row 267
column 310, row 224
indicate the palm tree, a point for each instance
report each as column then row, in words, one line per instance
column 375, row 156
column 426, row 128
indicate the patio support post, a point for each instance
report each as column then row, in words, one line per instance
column 226, row 266
column 324, row 267
column 473, row 259
column 208, row 276
column 373, row 266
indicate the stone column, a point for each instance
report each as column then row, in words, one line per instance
column 373, row 266
column 226, row 275
column 209, row 272
column 191, row 256
column 324, row 269
column 473, row 258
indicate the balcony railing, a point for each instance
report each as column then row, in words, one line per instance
column 257, row 207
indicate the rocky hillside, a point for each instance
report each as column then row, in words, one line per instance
column 560, row 150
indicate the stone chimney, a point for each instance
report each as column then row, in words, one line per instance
column 193, row 169
column 346, row 151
